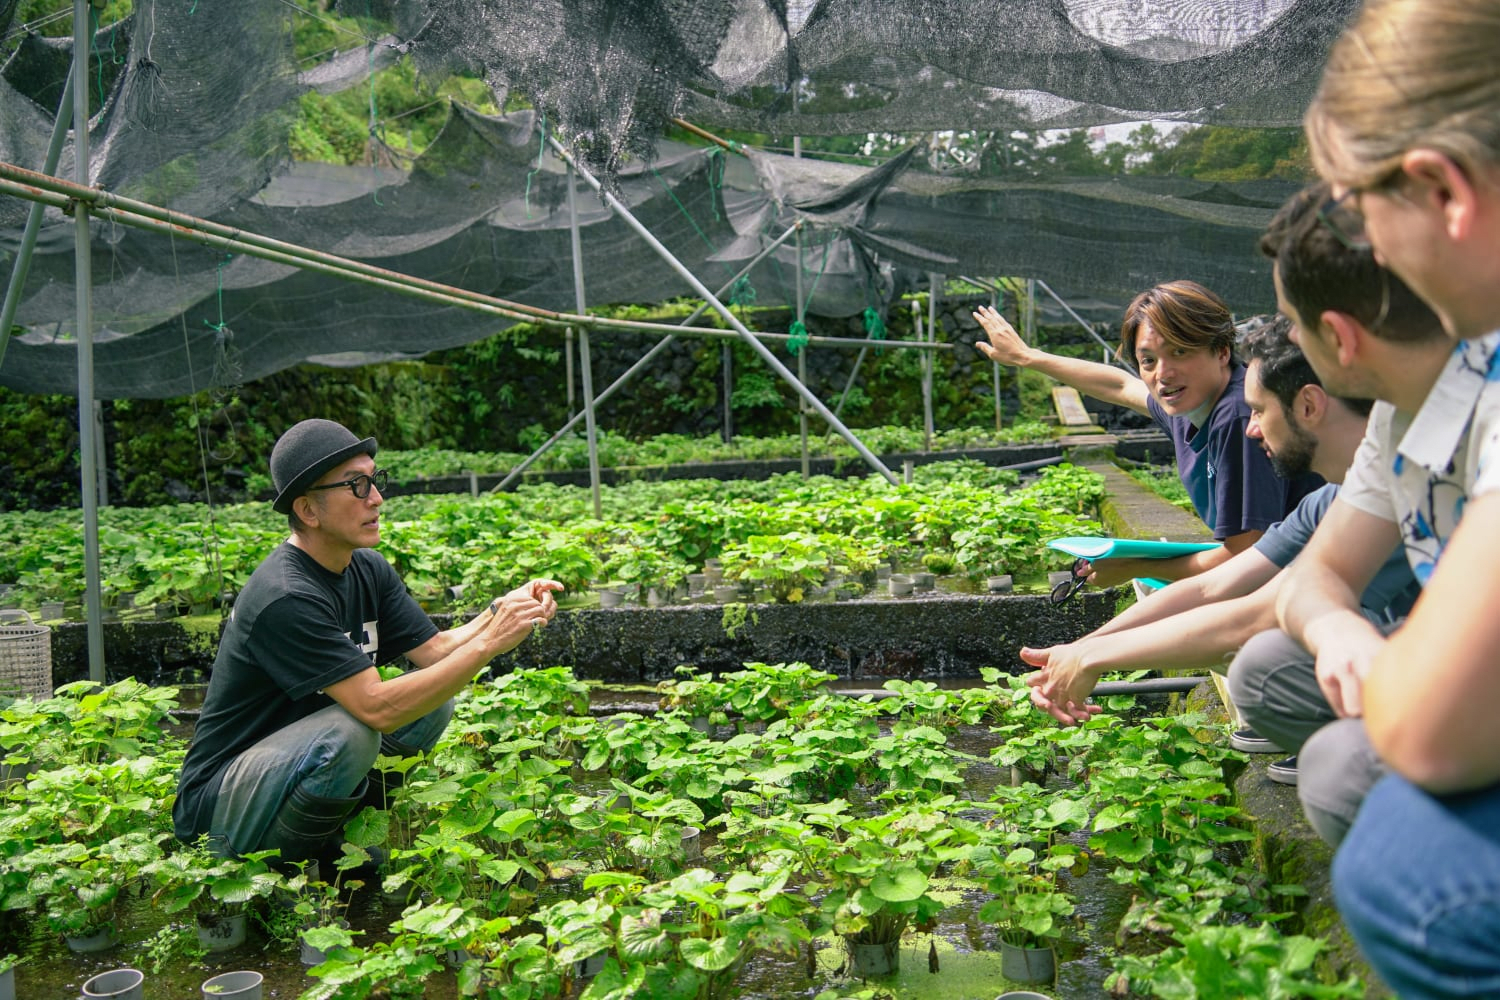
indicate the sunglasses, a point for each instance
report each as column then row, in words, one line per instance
column 1074, row 583
column 359, row 485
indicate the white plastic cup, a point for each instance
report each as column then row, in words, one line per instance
column 233, row 986
column 118, row 984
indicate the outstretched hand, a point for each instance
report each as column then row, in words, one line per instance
column 1061, row 686
column 1004, row 346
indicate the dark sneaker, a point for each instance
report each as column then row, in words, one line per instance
column 1283, row 771
column 1249, row 741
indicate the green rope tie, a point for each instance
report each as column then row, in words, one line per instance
column 219, row 327
column 99, row 53
column 799, row 337
column 742, row 293
column 683, row 209
column 874, row 327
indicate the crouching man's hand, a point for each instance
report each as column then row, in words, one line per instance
column 513, row 616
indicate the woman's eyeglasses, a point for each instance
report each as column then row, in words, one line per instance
column 1345, row 221
column 359, row 485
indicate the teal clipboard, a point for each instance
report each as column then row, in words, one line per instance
column 1088, row 547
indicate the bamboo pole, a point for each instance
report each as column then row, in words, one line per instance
column 32, row 186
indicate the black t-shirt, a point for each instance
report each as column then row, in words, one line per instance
column 296, row 629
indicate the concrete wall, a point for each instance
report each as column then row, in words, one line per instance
column 939, row 636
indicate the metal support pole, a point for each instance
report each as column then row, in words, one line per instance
column 726, row 361
column 101, row 466
column 1031, row 310
column 802, row 414
column 921, row 335
column 34, row 219
column 871, row 459
column 995, row 370
column 645, row 360
column 796, row 109
column 802, row 362
column 83, row 297
column 1109, row 350
column 849, row 385
column 32, row 186
column 935, row 285
column 997, row 296
column 568, row 371
column 583, row 346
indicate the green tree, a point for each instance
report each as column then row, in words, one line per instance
column 1220, row 153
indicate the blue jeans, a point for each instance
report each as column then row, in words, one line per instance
column 1418, row 883
column 324, row 756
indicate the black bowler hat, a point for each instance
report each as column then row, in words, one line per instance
column 306, row 452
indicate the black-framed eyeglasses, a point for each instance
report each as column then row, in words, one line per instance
column 359, row 485
column 1345, row 221
column 1074, row 583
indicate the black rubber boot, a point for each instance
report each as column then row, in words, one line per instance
column 381, row 787
column 311, row 826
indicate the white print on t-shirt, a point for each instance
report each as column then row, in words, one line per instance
column 370, row 640
column 1210, row 469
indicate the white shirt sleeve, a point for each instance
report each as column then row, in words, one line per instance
column 1370, row 484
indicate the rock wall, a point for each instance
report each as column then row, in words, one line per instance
column 940, row 636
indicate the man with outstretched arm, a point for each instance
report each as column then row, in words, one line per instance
column 296, row 711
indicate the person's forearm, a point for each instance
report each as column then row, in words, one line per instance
column 1433, row 690
column 447, row 661
column 405, row 699
column 1316, row 603
column 447, row 641
column 1229, row 578
column 1103, row 382
column 1203, row 637
column 1186, row 566
column 1165, row 603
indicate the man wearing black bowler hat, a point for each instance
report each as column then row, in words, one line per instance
column 296, row 711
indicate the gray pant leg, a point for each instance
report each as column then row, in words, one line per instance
column 1336, row 768
column 325, row 754
column 1274, row 685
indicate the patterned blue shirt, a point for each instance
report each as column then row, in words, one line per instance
column 1419, row 471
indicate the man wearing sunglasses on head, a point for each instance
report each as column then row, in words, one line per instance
column 296, row 711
